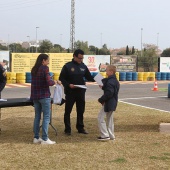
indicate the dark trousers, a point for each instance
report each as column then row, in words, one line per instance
column 75, row 96
column 2, row 85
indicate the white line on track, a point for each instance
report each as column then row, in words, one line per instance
column 144, row 106
column 142, row 98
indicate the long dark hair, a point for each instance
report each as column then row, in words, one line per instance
column 38, row 63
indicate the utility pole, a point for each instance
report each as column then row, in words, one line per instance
column 141, row 41
column 72, row 26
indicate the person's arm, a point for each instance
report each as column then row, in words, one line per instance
column 63, row 76
column 88, row 76
column 49, row 80
column 108, row 93
column 2, row 70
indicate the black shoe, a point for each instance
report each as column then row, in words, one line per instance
column 103, row 139
column 62, row 102
column 68, row 133
column 83, row 131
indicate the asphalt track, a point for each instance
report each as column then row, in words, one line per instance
column 135, row 93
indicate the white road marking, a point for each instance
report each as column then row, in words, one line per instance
column 144, row 106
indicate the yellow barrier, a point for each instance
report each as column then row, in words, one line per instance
column 56, row 76
column 151, row 76
column 140, row 76
column 145, row 76
column 20, row 77
column 117, row 75
column 103, row 74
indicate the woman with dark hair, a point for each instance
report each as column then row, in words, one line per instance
column 40, row 94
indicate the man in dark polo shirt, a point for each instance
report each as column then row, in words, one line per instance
column 74, row 73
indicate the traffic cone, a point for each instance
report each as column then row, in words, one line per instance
column 155, row 88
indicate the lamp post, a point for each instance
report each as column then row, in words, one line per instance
column 141, row 41
column 36, row 38
column 29, row 42
column 101, row 40
column 157, row 42
column 8, row 42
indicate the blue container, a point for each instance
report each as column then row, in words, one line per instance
column 158, row 75
column 128, row 76
column 28, row 77
column 168, row 76
column 122, row 76
column 95, row 73
column 168, row 90
column 134, row 76
column 51, row 74
column 163, row 76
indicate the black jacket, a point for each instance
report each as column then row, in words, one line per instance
column 74, row 73
column 110, row 97
column 2, row 77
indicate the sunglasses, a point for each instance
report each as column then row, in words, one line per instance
column 80, row 58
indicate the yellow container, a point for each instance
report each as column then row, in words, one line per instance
column 117, row 75
column 20, row 77
column 20, row 81
column 11, row 76
column 56, row 73
column 56, row 76
column 145, row 76
column 152, row 76
column 140, row 76
column 103, row 74
column 11, row 81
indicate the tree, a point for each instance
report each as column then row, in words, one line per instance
column 82, row 45
column 15, row 47
column 3, row 47
column 45, row 46
column 166, row 53
column 92, row 49
column 148, row 60
column 104, row 50
column 127, row 50
column 55, row 50
column 133, row 50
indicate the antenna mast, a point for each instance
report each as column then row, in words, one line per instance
column 72, row 26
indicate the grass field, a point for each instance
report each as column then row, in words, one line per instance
column 138, row 146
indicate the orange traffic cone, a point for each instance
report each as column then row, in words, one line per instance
column 155, row 88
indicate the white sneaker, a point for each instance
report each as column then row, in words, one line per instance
column 48, row 141
column 36, row 141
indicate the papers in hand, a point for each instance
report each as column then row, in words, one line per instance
column 81, row 86
column 98, row 78
column 3, row 100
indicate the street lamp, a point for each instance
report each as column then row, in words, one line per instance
column 8, row 42
column 29, row 42
column 141, row 41
column 101, row 40
column 36, row 38
column 157, row 42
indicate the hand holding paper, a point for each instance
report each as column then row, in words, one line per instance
column 98, row 78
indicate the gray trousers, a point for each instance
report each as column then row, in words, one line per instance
column 106, row 127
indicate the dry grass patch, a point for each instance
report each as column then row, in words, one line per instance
column 138, row 144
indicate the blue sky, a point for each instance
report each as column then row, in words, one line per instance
column 116, row 23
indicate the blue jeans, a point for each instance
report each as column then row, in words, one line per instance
column 42, row 105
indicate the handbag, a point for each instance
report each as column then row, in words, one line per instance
column 57, row 96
